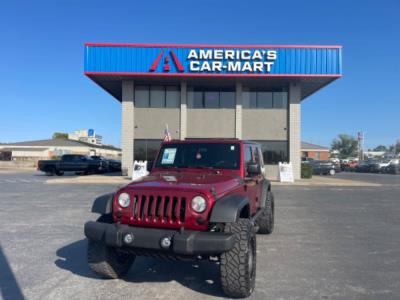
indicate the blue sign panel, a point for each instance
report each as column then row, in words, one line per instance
column 206, row 60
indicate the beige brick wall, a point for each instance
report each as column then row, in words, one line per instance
column 295, row 129
column 183, row 113
column 150, row 122
column 276, row 124
column 127, row 127
column 211, row 123
column 265, row 124
column 238, row 110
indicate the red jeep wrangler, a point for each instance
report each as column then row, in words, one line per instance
column 204, row 199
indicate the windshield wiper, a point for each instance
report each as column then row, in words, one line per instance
column 169, row 167
column 202, row 167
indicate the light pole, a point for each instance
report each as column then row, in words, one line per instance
column 360, row 138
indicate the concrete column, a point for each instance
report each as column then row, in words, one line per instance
column 238, row 110
column 183, row 114
column 295, row 128
column 128, row 127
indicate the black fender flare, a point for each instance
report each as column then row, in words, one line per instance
column 228, row 209
column 266, row 188
column 103, row 204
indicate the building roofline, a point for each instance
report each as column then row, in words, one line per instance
column 143, row 45
column 88, row 73
column 42, row 143
column 305, row 146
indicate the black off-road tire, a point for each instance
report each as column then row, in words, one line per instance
column 108, row 261
column 238, row 265
column 266, row 220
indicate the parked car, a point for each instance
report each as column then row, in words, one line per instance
column 69, row 162
column 335, row 160
column 203, row 199
column 379, row 166
column 106, row 164
column 349, row 166
column 393, row 168
column 364, row 167
column 114, row 165
column 322, row 167
column 307, row 159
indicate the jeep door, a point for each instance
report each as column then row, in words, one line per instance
column 262, row 182
column 251, row 186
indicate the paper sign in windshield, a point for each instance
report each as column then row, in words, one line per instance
column 168, row 156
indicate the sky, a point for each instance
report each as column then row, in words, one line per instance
column 43, row 89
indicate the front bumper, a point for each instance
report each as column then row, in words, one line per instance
column 184, row 242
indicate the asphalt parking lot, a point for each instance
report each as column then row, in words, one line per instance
column 330, row 243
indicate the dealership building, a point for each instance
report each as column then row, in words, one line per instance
column 212, row 91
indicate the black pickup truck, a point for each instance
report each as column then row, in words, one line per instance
column 70, row 163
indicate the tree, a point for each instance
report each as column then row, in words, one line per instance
column 60, row 135
column 380, row 148
column 346, row 145
column 394, row 148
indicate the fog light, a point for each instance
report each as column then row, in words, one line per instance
column 166, row 242
column 128, row 238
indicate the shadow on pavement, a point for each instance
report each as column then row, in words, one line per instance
column 74, row 174
column 9, row 286
column 200, row 276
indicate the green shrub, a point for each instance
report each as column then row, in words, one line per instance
column 306, row 170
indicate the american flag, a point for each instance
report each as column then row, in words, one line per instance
column 167, row 135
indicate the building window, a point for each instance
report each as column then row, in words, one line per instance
column 142, row 96
column 211, row 99
column 205, row 98
column 227, row 99
column 157, row 96
column 264, row 99
column 195, row 99
column 173, row 96
column 146, row 149
column 274, row 151
column 280, row 99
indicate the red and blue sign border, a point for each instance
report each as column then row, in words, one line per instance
column 179, row 67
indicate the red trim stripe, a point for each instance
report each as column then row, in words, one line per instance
column 209, row 46
column 153, row 67
column 166, row 64
column 206, row 75
column 178, row 64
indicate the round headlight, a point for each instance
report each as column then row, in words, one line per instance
column 199, row 204
column 124, row 200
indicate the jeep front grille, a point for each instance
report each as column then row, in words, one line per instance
column 161, row 209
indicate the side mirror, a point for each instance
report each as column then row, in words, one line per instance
column 253, row 169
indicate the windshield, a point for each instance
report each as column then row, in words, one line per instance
column 200, row 155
